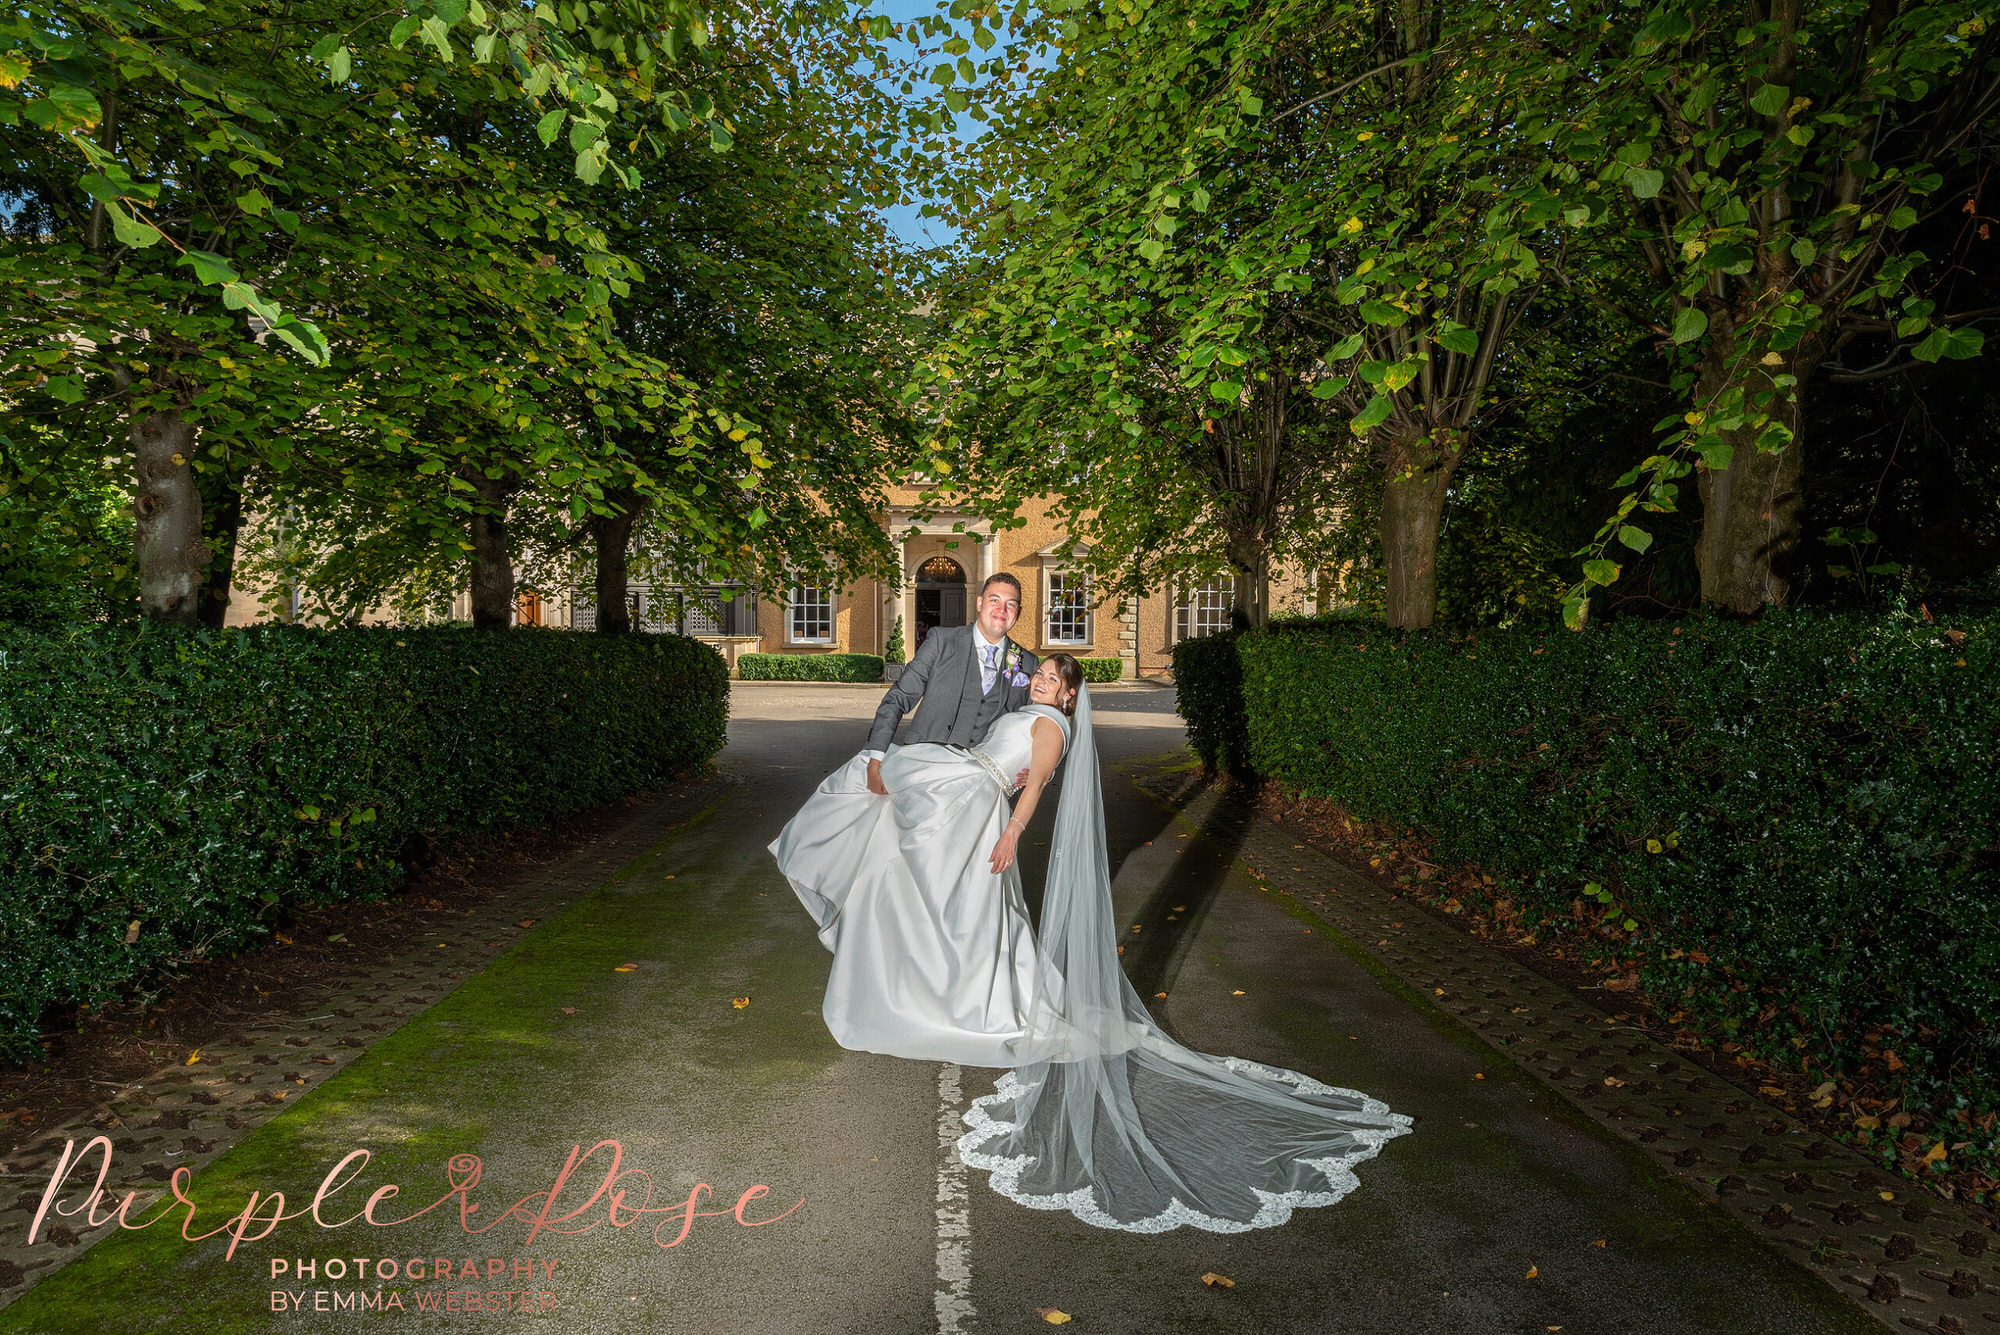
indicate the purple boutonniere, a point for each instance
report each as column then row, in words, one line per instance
column 1015, row 676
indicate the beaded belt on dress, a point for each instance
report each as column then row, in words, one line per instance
column 992, row 767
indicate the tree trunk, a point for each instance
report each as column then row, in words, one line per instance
column 225, row 520
column 166, row 510
column 1751, row 510
column 492, row 560
column 1412, row 518
column 1250, row 556
column 614, row 540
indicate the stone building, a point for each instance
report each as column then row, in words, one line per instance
column 945, row 558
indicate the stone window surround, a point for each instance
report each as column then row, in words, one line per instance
column 832, row 599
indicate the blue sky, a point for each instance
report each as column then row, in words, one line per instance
column 903, row 219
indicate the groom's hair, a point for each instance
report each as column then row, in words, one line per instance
column 1002, row 578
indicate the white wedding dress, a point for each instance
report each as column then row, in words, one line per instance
column 1101, row 1113
column 933, row 957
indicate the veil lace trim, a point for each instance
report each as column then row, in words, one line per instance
column 1107, row 1117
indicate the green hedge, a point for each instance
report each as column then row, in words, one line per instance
column 1810, row 801
column 196, row 783
column 810, row 667
column 1102, row 669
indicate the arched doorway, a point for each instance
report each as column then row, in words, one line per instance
column 940, row 596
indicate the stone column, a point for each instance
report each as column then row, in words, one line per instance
column 989, row 558
column 1128, row 639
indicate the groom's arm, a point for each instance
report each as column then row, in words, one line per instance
column 902, row 697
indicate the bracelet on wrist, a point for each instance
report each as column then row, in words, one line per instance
column 1016, row 820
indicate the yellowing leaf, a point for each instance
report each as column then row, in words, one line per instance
column 1215, row 1281
column 193, row 1057
column 1532, row 1272
column 1936, row 1153
column 625, row 968
column 1055, row 1316
column 740, row 1002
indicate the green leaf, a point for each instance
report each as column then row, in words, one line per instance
column 1717, row 454
column 1459, row 339
column 405, row 26
column 1382, row 313
column 1152, row 248
column 1644, row 181
column 719, row 137
column 438, row 36
column 1804, row 251
column 1770, row 99
column 1690, row 323
column 1399, row 375
column 1344, row 349
column 1575, row 608
column 1226, row 390
column 550, row 125
column 1958, row 344
column 1371, row 416
column 1600, row 571
column 209, row 267
column 340, row 65
column 129, row 230
column 1635, row 538
column 1903, row 217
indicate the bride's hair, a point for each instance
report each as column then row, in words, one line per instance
column 1072, row 676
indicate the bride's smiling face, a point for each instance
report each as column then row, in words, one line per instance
column 1046, row 686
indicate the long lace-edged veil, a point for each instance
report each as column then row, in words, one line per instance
column 1109, row 1118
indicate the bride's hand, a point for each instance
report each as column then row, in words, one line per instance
column 1003, row 852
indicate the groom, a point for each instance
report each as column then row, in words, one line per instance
column 961, row 679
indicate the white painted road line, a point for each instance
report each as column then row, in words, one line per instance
column 954, row 1216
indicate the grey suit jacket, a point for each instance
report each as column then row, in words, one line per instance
column 942, row 683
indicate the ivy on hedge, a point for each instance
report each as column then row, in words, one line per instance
column 164, row 792
column 810, row 667
column 1809, row 803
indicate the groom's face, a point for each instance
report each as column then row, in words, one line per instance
column 998, row 609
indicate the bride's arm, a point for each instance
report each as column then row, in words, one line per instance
column 1046, row 740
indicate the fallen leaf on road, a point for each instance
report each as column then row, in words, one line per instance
column 569, row 1010
column 193, row 1057
column 525, row 922
column 1055, row 1316
column 1237, row 993
column 1215, row 1281
column 1159, row 994
column 1180, row 908
column 1600, row 1242
column 740, row 1002
column 1887, row 1195
column 625, row 968
column 1614, row 1082
column 1479, row 1075
column 1532, row 1272
column 1771, row 1091
column 1440, row 991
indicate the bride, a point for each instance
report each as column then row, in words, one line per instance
column 918, row 896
